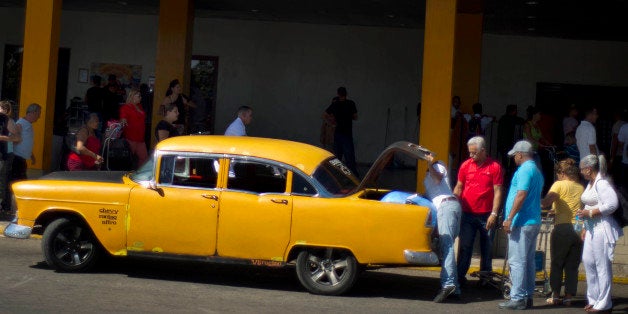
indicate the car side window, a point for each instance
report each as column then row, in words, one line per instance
column 301, row 186
column 189, row 171
column 257, row 177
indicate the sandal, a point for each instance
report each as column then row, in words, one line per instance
column 588, row 307
column 553, row 301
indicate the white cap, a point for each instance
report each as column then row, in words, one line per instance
column 521, row 146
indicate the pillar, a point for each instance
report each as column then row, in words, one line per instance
column 436, row 87
column 39, row 72
column 451, row 66
column 174, row 50
column 468, row 53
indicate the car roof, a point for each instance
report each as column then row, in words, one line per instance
column 300, row 155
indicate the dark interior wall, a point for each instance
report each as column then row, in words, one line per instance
column 555, row 99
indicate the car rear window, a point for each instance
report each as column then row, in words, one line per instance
column 336, row 177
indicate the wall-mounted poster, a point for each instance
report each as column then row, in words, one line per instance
column 126, row 75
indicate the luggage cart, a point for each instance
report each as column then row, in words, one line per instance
column 115, row 150
column 540, row 256
column 502, row 282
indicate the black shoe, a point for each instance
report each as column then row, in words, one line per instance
column 462, row 281
column 444, row 293
column 529, row 303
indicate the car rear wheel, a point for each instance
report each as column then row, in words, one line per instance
column 326, row 271
column 70, row 246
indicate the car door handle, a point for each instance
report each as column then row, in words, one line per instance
column 210, row 196
column 279, row 201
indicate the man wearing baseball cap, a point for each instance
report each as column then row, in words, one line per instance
column 522, row 222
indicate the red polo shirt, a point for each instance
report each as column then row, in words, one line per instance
column 135, row 128
column 478, row 185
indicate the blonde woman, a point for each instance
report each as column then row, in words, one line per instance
column 565, row 242
column 133, row 117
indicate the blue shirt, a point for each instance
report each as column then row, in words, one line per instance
column 24, row 148
column 236, row 128
column 526, row 178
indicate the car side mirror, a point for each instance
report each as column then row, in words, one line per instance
column 152, row 185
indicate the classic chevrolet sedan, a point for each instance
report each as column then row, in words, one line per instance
column 257, row 201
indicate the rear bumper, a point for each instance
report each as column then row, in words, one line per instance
column 421, row 258
column 14, row 230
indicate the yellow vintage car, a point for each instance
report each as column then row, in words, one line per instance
column 257, row 201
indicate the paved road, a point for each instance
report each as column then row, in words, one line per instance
column 141, row 286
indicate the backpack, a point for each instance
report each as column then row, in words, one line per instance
column 621, row 213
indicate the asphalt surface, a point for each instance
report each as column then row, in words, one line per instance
column 148, row 286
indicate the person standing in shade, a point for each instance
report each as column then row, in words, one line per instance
column 24, row 149
column 95, row 95
column 522, row 222
column 570, row 122
column 174, row 95
column 238, row 126
column 586, row 136
column 479, row 189
column 165, row 128
column 341, row 113
column 132, row 117
column 9, row 134
column 448, row 213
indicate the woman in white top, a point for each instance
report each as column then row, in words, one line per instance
column 600, row 232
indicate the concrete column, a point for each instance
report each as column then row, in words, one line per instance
column 436, row 87
column 174, row 50
column 451, row 66
column 39, row 72
column 468, row 53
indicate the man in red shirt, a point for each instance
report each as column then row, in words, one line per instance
column 479, row 189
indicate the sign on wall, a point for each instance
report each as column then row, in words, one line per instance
column 128, row 75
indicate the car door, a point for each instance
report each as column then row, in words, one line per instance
column 255, row 211
column 180, row 216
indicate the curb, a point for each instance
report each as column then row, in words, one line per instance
column 539, row 275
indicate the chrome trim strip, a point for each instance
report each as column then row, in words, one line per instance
column 14, row 230
column 421, row 258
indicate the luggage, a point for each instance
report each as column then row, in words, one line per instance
column 117, row 155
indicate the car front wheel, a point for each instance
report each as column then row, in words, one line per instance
column 326, row 271
column 70, row 246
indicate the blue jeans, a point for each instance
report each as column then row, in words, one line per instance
column 469, row 226
column 521, row 244
column 448, row 218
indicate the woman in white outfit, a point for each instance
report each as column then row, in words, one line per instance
column 600, row 233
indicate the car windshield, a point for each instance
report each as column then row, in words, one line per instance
column 336, row 177
column 145, row 172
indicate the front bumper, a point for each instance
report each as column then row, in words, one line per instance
column 421, row 258
column 14, row 230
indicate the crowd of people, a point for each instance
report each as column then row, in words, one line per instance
column 582, row 197
column 16, row 147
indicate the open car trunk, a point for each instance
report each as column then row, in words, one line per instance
column 369, row 183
